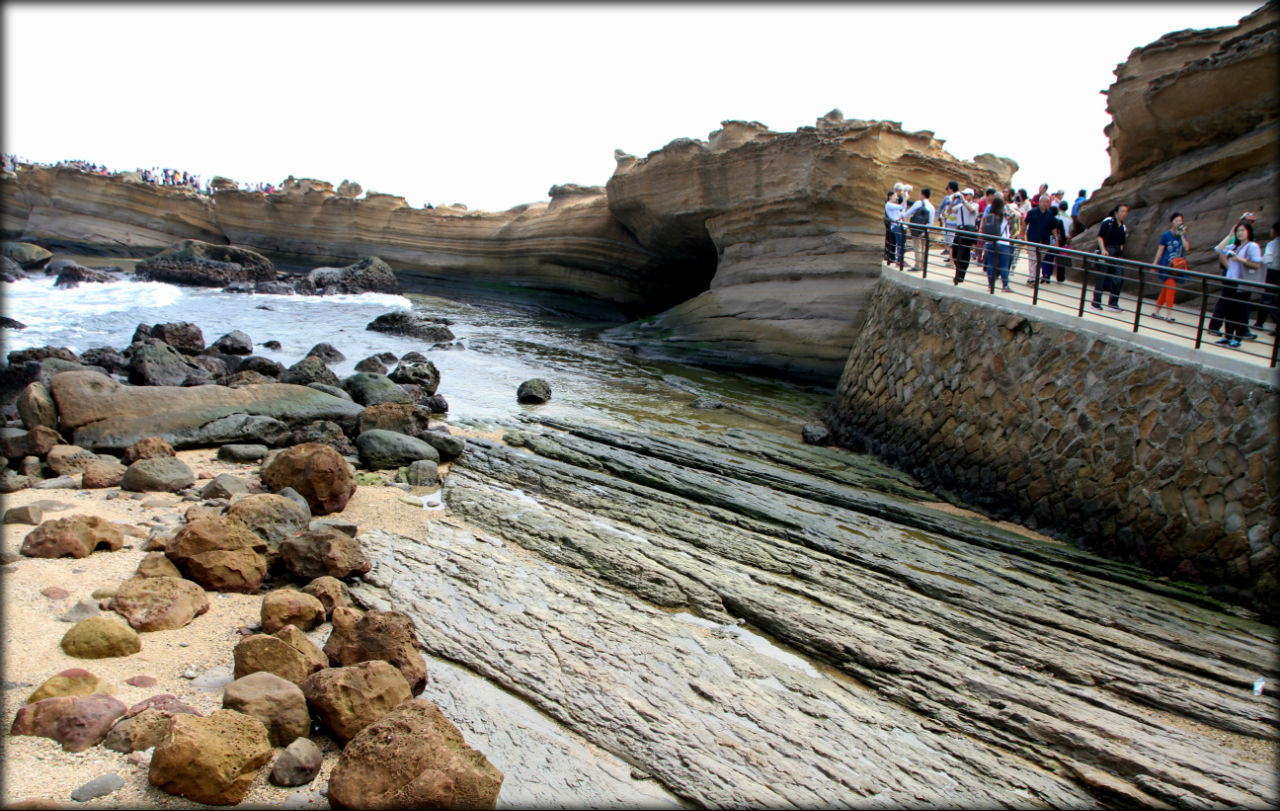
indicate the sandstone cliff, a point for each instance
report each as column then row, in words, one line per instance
column 788, row 228
column 1195, row 130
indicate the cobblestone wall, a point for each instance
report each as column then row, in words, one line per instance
column 1131, row 453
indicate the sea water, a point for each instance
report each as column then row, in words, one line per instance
column 496, row 350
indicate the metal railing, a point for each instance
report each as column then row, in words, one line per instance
column 1194, row 290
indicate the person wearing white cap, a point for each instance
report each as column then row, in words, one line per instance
column 967, row 223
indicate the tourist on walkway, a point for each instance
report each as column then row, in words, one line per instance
column 1077, row 227
column 893, row 236
column 1063, row 240
column 1270, row 304
column 1171, row 257
column 1244, row 263
column 919, row 214
column 1111, row 237
column 995, row 233
column 1041, row 223
column 949, row 216
column 967, row 224
column 1215, row 320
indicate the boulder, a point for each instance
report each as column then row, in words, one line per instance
column 311, row 369
column 369, row 275
column 331, row 592
column 449, row 447
column 369, row 389
column 12, row 482
column 291, row 656
column 164, row 474
column 183, row 336
column 148, row 448
column 26, row 514
column 100, row 638
column 26, row 254
column 159, row 603
column 214, row 364
column 70, row 275
column 323, row 551
column 76, row 722
column 403, row 418
column 203, row 264
column 412, row 325
column 325, row 432
column 210, row 760
column 103, row 472
column 66, row 460
column 423, row 473
column 263, row 366
column 244, row 378
column 423, row 374
column 142, row 731
column 278, row 703
column 436, row 404
column 289, row 606
column 106, row 358
column 386, row 635
column 234, row 343
column 166, row 703
column 348, row 699
column 273, row 518
column 224, row 485
column 815, row 434
column 10, row 271
column 371, row 364
column 75, row 681
column 75, row 536
column 243, row 453
column 336, row 391
column 20, row 357
column 220, row 554
column 413, row 757
column 533, row 391
column 36, row 407
column 326, row 352
column 385, row 450
column 156, row 564
column 298, row 764
column 155, row 363
column 317, row 472
column 16, row 443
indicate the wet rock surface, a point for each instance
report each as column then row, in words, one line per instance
column 755, row 621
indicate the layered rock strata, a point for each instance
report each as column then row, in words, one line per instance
column 745, row 619
column 787, row 226
column 1138, row 455
column 1195, row 130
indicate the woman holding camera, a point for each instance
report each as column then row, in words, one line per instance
column 1171, row 257
column 1244, row 262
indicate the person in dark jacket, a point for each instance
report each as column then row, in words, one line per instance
column 1042, row 221
column 1111, row 236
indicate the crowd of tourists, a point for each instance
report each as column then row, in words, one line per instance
column 979, row 229
column 156, row 175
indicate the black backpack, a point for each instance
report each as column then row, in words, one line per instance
column 991, row 224
column 920, row 216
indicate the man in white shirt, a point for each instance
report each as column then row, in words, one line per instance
column 918, row 214
column 895, row 239
column 967, row 225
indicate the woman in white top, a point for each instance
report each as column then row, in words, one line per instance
column 1244, row 263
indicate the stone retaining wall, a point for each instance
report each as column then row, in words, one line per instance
column 1073, row 428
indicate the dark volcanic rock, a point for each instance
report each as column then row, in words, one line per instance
column 383, row 450
column 234, row 343
column 311, row 369
column 369, row 389
column 369, row 275
column 183, row 336
column 423, row 374
column 263, row 366
column 106, row 358
column 326, row 352
column 200, row 263
column 413, row 325
column 534, row 391
column 158, row 364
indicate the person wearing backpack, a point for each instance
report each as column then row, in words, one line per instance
column 994, row 226
column 967, row 225
column 919, row 214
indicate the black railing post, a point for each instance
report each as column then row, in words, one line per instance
column 1137, row 307
column 1086, row 267
column 924, row 266
column 1204, row 303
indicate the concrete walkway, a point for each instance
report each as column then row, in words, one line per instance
column 1253, row 358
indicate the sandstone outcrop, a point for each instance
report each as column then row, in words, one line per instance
column 1195, row 129
column 778, row 235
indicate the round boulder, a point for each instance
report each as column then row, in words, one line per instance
column 75, row 681
column 211, row 760
column 220, row 554
column 234, row 343
column 423, row 374
column 153, row 447
column 317, row 472
column 348, row 699
column 103, row 472
column 386, row 635
column 291, row 656
column 413, row 325
column 311, row 369
column 76, row 722
column 278, row 703
column 386, row 450
column 326, row 352
column 369, row 389
column 162, row 475
column 534, row 391
column 298, row 764
column 323, row 551
column 159, row 603
column 288, row 606
column 100, row 638
column 331, row 592
column 75, row 536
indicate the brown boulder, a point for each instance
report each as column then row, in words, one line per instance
column 75, row 681
column 290, row 607
column 102, row 473
column 100, row 638
column 75, row 536
column 274, row 518
column 403, row 418
column 331, row 592
column 287, row 657
column 317, row 472
column 36, row 441
column 76, row 722
column 348, row 699
column 278, row 703
column 386, row 635
column 159, row 603
column 219, row 554
column 152, row 447
column 413, row 757
column 161, row 474
column 298, row 764
column 68, row 459
column 36, row 407
column 324, row 551
column 142, row 731
column 156, row 564
column 210, row 760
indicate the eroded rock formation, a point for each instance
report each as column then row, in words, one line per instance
column 1195, row 129
column 787, row 226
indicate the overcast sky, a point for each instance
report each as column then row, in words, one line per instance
column 491, row 104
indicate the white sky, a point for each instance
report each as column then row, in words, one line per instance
column 492, row 104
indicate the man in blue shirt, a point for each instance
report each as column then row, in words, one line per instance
column 1076, row 227
column 1042, row 221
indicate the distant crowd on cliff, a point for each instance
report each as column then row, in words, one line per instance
column 156, row 175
